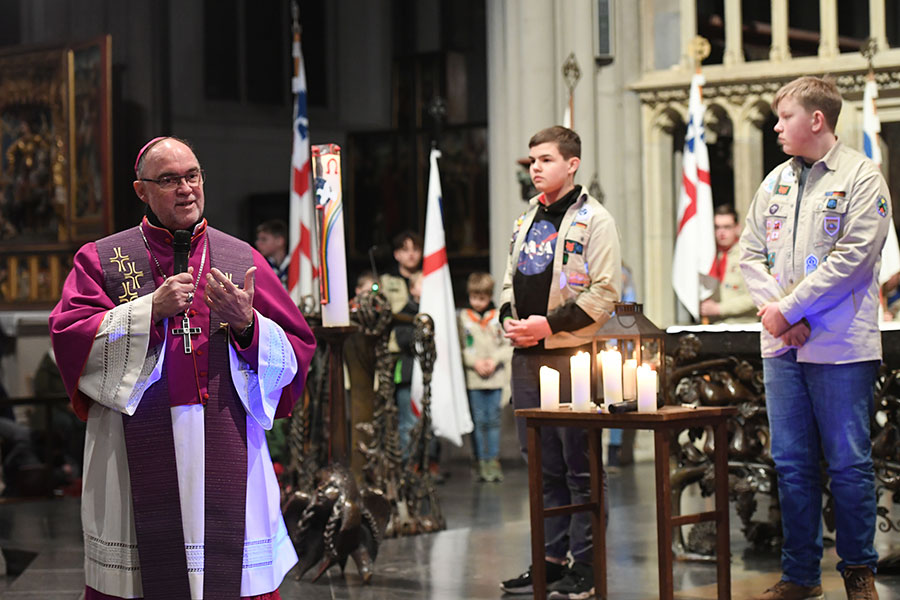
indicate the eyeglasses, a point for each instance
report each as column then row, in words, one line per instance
column 167, row 183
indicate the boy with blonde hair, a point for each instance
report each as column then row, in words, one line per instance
column 811, row 250
column 486, row 355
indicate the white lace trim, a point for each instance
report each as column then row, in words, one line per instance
column 260, row 391
column 120, row 556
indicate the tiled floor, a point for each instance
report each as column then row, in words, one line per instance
column 487, row 539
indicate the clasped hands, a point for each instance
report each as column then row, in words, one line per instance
column 775, row 323
column 233, row 304
column 527, row 332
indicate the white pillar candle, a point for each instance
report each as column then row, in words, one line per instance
column 549, row 388
column 646, row 388
column 611, row 362
column 580, row 369
column 629, row 378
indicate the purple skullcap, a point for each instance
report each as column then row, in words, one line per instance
column 144, row 149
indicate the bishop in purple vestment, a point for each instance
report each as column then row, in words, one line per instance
column 178, row 375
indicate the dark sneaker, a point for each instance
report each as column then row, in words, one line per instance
column 522, row 583
column 859, row 582
column 788, row 590
column 577, row 584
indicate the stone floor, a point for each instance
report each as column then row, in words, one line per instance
column 487, row 539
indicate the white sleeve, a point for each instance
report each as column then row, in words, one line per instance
column 260, row 390
column 121, row 365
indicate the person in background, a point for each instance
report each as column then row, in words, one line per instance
column 271, row 241
column 408, row 254
column 731, row 303
column 486, row 354
column 811, row 252
column 563, row 278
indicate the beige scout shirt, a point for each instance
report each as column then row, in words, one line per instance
column 480, row 336
column 593, row 279
column 735, row 303
column 823, row 265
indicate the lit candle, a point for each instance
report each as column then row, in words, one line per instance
column 629, row 378
column 646, row 388
column 580, row 369
column 549, row 388
column 611, row 362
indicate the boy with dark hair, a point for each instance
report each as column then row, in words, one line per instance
column 408, row 254
column 732, row 302
column 811, row 252
column 563, row 277
column 271, row 241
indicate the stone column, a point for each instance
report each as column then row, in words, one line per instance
column 659, row 205
column 828, row 42
column 748, row 121
column 877, row 27
column 734, row 39
column 780, row 50
column 688, row 31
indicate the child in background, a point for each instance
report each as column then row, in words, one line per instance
column 404, row 335
column 486, row 355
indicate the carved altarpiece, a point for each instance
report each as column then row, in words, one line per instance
column 55, row 165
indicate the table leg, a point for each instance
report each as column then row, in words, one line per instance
column 598, row 515
column 723, row 546
column 536, row 502
column 663, row 513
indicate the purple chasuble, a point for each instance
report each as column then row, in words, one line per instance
column 150, row 442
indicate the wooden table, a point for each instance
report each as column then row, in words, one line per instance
column 666, row 423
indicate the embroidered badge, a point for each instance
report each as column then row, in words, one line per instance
column 565, row 259
column 811, row 263
column 882, row 206
column 579, row 279
column 773, row 209
column 584, row 213
column 773, row 229
column 579, row 224
column 769, row 183
column 832, row 204
column 770, row 259
column 783, row 190
column 788, row 175
column 835, row 194
column 832, row 225
column 574, row 247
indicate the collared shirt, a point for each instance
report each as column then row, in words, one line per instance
column 820, row 261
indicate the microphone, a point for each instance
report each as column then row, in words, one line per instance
column 181, row 247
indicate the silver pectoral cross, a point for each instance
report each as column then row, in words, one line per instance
column 186, row 331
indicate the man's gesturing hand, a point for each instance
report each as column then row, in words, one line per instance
column 234, row 305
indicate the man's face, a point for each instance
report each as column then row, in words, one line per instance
column 549, row 170
column 408, row 256
column 727, row 231
column 269, row 244
column 479, row 302
column 181, row 207
column 794, row 127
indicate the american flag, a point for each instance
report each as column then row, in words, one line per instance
column 303, row 269
column 695, row 245
column 890, row 254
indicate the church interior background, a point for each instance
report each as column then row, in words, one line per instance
column 386, row 79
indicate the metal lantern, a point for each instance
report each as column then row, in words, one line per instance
column 635, row 337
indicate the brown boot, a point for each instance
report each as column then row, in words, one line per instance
column 859, row 582
column 788, row 590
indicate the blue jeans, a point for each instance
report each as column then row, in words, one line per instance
column 406, row 418
column 822, row 411
column 485, row 408
column 564, row 458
